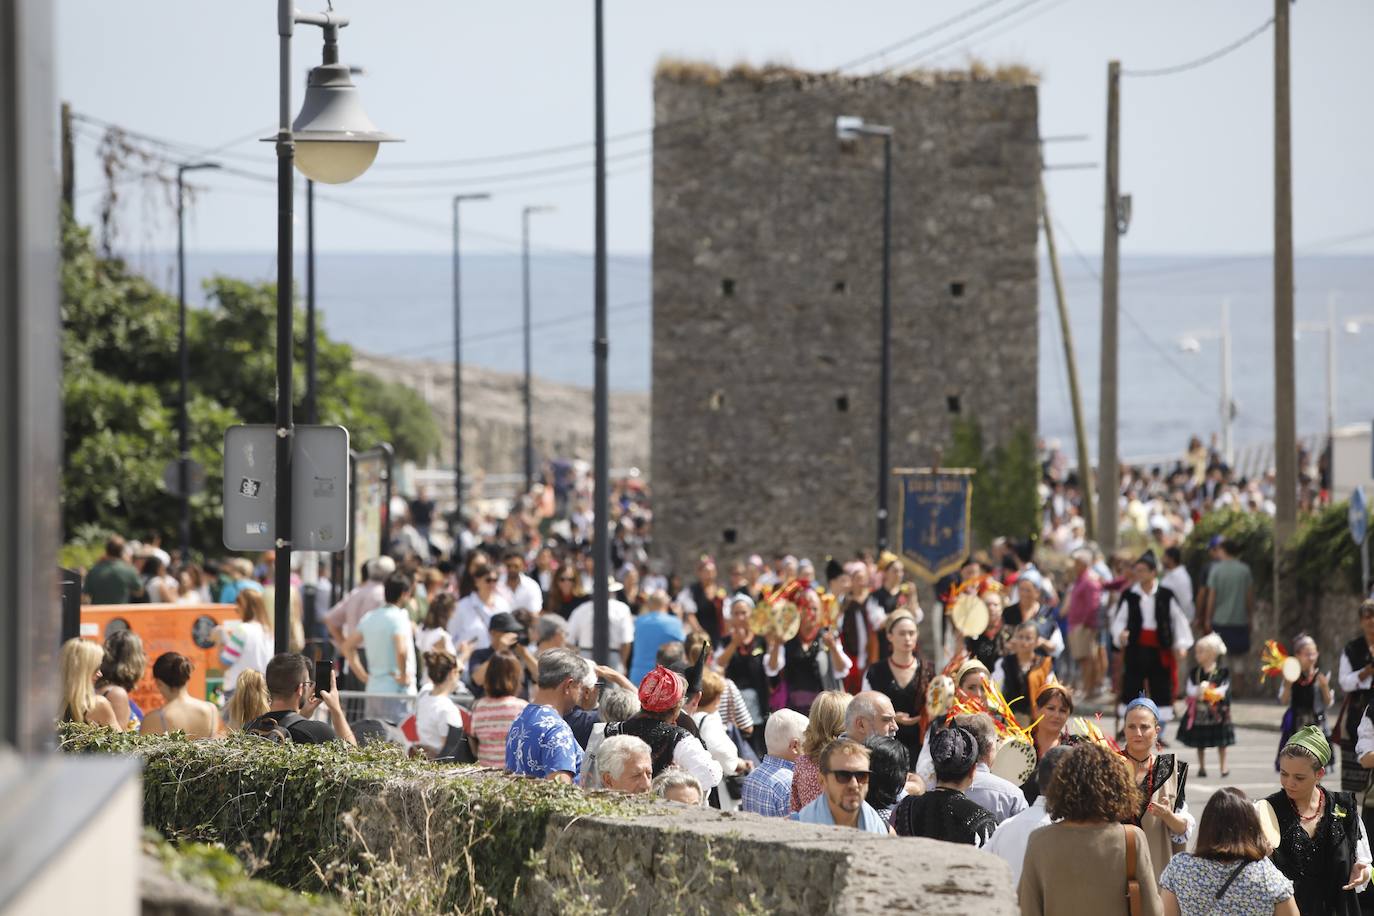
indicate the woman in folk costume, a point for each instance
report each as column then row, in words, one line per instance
column 991, row 645
column 1356, row 678
column 1054, row 706
column 1154, row 633
column 811, row 662
column 1021, row 674
column 1321, row 846
column 1207, row 722
column 1163, row 815
column 1307, row 698
column 902, row 677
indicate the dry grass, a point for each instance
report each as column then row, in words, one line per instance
column 708, row 74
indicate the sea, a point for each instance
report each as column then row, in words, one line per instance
column 401, row 305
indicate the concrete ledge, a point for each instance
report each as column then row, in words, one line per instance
column 673, row 859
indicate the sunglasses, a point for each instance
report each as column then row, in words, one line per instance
column 493, row 578
column 847, row 776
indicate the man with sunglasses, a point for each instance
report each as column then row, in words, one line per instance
column 294, row 701
column 844, row 778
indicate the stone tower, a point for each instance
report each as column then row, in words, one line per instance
column 766, row 266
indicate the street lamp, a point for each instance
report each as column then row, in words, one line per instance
column 1191, row 342
column 310, row 403
column 525, row 273
column 458, row 356
column 849, row 128
column 333, row 141
column 184, row 358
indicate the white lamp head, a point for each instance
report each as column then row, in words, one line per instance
column 335, row 140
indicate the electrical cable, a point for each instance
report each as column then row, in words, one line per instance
column 1206, row 58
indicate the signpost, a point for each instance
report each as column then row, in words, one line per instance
column 1359, row 533
column 319, row 481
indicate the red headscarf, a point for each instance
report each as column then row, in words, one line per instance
column 661, row 690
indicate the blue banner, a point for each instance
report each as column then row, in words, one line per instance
column 935, row 521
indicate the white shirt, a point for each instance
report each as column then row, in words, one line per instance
column 471, row 619
column 841, row 669
column 1183, row 630
column 433, row 716
column 255, row 653
column 692, row 756
column 999, row 796
column 526, row 595
column 430, row 640
column 1351, row 680
column 622, row 629
column 1010, row 839
column 1177, row 581
column 718, row 743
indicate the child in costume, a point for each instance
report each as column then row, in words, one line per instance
column 1308, row 697
column 1207, row 722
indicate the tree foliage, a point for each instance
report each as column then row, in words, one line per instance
column 1005, row 499
column 120, row 392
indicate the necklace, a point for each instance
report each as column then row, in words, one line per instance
column 1139, row 763
column 1313, row 816
column 892, row 660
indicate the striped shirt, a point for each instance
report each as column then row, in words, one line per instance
column 732, row 708
column 491, row 721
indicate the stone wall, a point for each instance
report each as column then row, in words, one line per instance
column 680, row 860
column 766, row 262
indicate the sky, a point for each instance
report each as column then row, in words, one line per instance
column 490, row 81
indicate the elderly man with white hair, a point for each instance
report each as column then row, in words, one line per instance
column 870, row 713
column 768, row 789
column 624, row 764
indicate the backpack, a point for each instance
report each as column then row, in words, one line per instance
column 271, row 729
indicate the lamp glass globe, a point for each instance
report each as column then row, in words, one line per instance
column 334, row 162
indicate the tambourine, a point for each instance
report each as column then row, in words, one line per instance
column 939, row 695
column 1292, row 669
column 1014, row 761
column 970, row 615
column 779, row 619
column 1269, row 823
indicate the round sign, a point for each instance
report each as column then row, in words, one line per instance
column 201, row 631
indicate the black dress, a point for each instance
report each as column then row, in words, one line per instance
column 1319, row 865
column 1204, row 724
column 944, row 814
column 908, row 699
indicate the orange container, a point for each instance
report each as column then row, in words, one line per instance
column 183, row 628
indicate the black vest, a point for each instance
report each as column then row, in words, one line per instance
column 1358, row 655
column 1317, row 880
column 1164, row 617
column 662, row 737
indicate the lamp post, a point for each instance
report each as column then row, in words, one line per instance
column 310, row 404
column 601, row 351
column 184, row 359
column 458, row 356
column 525, row 274
column 1192, row 343
column 1330, row 329
column 852, row 128
column 333, row 141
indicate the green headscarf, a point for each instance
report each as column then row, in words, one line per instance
column 1310, row 738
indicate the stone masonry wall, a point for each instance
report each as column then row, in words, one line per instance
column 767, row 258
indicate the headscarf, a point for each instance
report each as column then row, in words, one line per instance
column 661, row 690
column 1143, row 703
column 953, row 750
column 972, row 664
column 741, row 598
column 1310, row 738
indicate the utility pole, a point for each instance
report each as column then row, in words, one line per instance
column 310, row 409
column 458, row 356
column 601, row 348
column 1285, row 420
column 528, row 386
column 1108, row 475
column 1085, row 467
column 68, row 159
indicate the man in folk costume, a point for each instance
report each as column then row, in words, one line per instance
column 1150, row 626
column 858, row 626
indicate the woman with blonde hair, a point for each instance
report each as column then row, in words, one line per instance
column 825, row 724
column 246, row 643
column 80, row 667
column 250, row 700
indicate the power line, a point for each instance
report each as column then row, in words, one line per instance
column 1140, row 328
column 1206, row 58
column 512, row 330
column 924, row 33
column 949, row 42
column 1011, row 27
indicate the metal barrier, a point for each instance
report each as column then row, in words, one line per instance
column 391, row 707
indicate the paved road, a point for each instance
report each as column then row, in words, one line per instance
column 1250, row 763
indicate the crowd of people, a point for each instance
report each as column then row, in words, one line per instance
column 800, row 689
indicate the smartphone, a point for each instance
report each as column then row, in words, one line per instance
column 324, row 675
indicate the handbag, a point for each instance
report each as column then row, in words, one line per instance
column 1132, row 885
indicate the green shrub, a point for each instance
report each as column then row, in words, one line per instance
column 1006, row 502
column 214, row 869
column 367, row 824
column 1322, row 556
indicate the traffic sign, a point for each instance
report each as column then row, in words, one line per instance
column 195, row 476
column 319, row 488
column 1359, row 516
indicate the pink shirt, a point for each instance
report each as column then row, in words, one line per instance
column 1084, row 601
column 491, row 721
